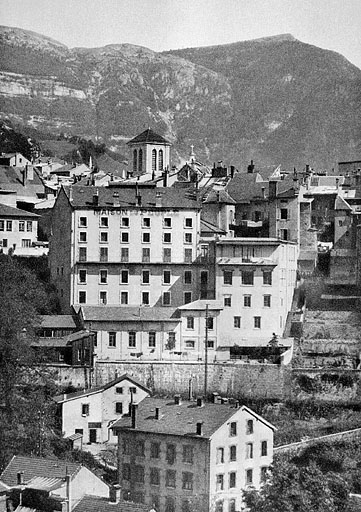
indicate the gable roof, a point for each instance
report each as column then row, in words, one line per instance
column 208, row 227
column 219, row 196
column 58, row 321
column 149, row 137
column 97, row 504
column 9, row 211
column 245, row 186
column 33, row 467
column 98, row 389
column 129, row 314
column 181, row 420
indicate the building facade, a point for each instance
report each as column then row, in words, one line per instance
column 150, row 154
column 18, row 230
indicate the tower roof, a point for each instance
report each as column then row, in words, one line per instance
column 149, row 137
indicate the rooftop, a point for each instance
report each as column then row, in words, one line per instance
column 97, row 504
column 129, row 314
column 149, row 137
column 58, row 321
column 200, row 305
column 9, row 211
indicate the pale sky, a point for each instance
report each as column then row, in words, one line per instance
column 171, row 24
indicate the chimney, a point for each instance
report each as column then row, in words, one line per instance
column 215, row 397
column 115, row 493
column 307, row 169
column 177, row 399
column 200, row 401
column 20, row 477
column 134, row 415
column 165, row 177
column 157, row 413
column 263, row 193
column 158, row 199
column 232, row 171
column 199, row 428
column 96, row 198
column 112, row 177
column 250, row 168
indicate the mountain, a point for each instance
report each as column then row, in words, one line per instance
column 276, row 100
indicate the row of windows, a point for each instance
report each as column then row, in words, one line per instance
column 247, row 277
column 145, row 277
column 232, row 480
column 190, row 322
column 124, row 255
column 247, row 301
column 232, row 455
column 125, row 222
column 132, row 340
column 124, row 237
column 156, row 450
column 25, row 242
column 124, row 298
column 7, row 225
column 136, row 474
column 85, row 408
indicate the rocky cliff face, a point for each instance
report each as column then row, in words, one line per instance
column 275, row 100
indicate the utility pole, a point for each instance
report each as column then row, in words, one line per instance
column 206, row 357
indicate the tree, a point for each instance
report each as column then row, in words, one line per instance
column 290, row 488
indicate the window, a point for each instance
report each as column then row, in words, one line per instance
column 232, row 479
column 79, row 431
column 124, row 276
column 9, row 225
column 247, row 301
column 140, row 161
column 139, row 474
column 103, row 237
column 169, row 504
column 83, row 222
column 160, row 160
column 187, row 277
column 247, row 277
column 154, row 450
column 233, row 453
column 154, row 160
column 167, row 223
column 189, row 344
column 232, row 505
column 264, row 449
column 267, row 301
column 26, row 242
column 135, row 160
column 257, row 322
column 188, row 222
column 188, row 255
column 166, row 276
column 82, row 236
column 125, row 222
column 82, row 253
column 219, row 482
column 82, row 297
column 2, row 226
column 154, row 501
column 154, row 476
column 146, row 238
column 132, row 390
column 188, row 238
column 103, row 297
column 284, row 234
column 237, row 322
column 119, row 407
column 139, row 448
column 249, row 451
column 188, row 454
column 126, row 472
column 82, row 276
column 104, row 254
column 339, row 223
column 146, row 222
column 190, row 322
column 119, row 390
column 171, row 453
column 171, row 340
column 186, row 506
column 219, row 506
column 104, row 222
column 249, row 476
column 263, row 474
column 5, row 242
column 146, row 255
column 145, row 298
column 167, row 238
column 125, row 237
column 126, row 447
column 166, row 299
column 103, row 276
column 21, row 225
column 124, row 298
column 284, row 213
column 187, row 481
column 233, row 429
column 227, row 301
column 167, row 255
column 132, row 339
column 29, row 226
column 249, row 428
column 170, row 478
column 145, row 276
column 267, row 277
column 187, row 297
column 227, row 276
column 112, row 339
column 124, row 254
column 85, row 409
column 210, row 323
column 220, row 455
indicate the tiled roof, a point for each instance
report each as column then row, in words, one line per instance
column 82, row 196
column 200, row 305
column 149, row 136
column 9, row 211
column 129, row 314
column 58, row 321
column 207, row 227
column 341, row 204
column 108, row 164
column 49, row 343
column 181, row 419
column 37, row 467
column 97, row 504
column 98, row 389
column 245, row 186
column 219, row 196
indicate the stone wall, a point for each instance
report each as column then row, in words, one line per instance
column 231, row 379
